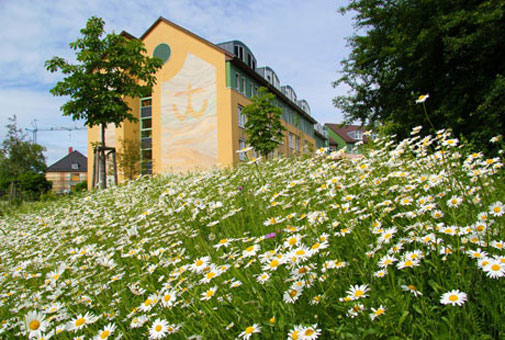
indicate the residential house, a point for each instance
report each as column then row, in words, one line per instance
column 350, row 137
column 68, row 171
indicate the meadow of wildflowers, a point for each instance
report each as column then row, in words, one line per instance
column 405, row 242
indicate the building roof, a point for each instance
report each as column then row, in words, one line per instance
column 343, row 131
column 170, row 23
column 67, row 163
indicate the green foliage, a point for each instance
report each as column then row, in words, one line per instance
column 453, row 50
column 152, row 249
column 81, row 186
column 33, row 185
column 263, row 127
column 109, row 69
column 18, row 156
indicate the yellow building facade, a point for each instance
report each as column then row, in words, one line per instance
column 192, row 120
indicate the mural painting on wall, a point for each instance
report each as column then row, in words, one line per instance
column 189, row 117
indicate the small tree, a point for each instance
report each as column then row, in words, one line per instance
column 109, row 69
column 129, row 157
column 18, row 156
column 263, row 127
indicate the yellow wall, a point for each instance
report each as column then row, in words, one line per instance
column 182, row 43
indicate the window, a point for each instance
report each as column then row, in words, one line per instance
column 241, row 145
column 291, row 141
column 146, row 158
column 356, row 134
column 146, row 134
column 237, row 81
column 239, row 51
column 74, row 166
column 74, row 177
column 297, row 144
column 243, row 86
column 249, row 60
column 241, row 117
column 147, row 123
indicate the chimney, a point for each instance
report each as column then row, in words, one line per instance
column 70, row 149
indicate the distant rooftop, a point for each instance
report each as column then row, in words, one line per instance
column 73, row 162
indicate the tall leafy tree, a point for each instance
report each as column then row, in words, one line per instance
column 452, row 49
column 109, row 69
column 263, row 126
column 19, row 158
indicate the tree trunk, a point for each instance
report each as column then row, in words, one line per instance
column 103, row 173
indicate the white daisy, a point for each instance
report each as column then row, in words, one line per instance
column 158, row 330
column 453, row 297
column 35, row 323
column 248, row 332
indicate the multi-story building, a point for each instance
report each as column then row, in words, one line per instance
column 193, row 118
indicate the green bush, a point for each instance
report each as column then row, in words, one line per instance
column 33, row 184
column 81, row 186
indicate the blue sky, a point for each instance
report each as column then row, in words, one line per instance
column 303, row 41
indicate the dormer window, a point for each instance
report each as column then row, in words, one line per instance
column 75, row 166
column 356, row 134
column 239, row 52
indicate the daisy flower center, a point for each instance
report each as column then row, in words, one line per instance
column 495, row 267
column 249, row 330
column 166, row 297
column 80, row 322
column 309, row 332
column 104, row 335
column 453, row 298
column 359, row 293
column 34, row 325
column 158, row 328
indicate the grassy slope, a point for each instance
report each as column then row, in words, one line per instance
column 118, row 253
